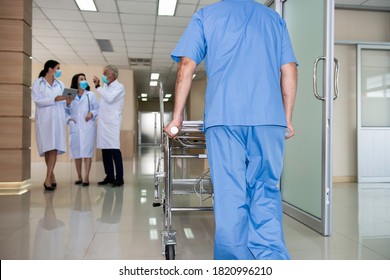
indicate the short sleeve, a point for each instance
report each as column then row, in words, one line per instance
column 192, row 44
column 287, row 50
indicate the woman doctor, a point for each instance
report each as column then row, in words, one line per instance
column 82, row 127
column 50, row 118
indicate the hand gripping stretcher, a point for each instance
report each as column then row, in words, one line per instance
column 190, row 143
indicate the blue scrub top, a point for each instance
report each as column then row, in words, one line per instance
column 244, row 44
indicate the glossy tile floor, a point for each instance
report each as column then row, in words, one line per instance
column 120, row 223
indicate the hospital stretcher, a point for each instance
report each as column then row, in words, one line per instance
column 190, row 143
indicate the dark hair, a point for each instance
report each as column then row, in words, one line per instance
column 75, row 81
column 48, row 64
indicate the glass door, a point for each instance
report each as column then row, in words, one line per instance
column 307, row 180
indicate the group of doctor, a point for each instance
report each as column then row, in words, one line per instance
column 54, row 112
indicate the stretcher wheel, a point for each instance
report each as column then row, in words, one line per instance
column 169, row 252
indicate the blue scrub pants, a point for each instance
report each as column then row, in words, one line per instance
column 245, row 166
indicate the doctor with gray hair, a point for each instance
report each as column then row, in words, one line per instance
column 112, row 99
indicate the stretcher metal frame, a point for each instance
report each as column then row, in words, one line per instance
column 190, row 137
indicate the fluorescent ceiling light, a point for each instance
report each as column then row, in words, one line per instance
column 144, row 99
column 168, row 95
column 144, row 95
column 166, row 99
column 86, row 5
column 154, row 76
column 166, row 7
column 153, row 83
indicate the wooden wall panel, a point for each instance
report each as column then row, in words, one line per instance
column 15, row 133
column 27, row 39
column 27, row 15
column 15, row 94
column 17, row 36
column 15, row 100
column 15, row 165
column 17, row 9
column 15, row 68
column 27, row 70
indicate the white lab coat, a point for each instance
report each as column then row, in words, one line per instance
column 112, row 99
column 82, row 134
column 50, row 119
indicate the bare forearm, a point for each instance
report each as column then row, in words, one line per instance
column 289, row 88
column 185, row 71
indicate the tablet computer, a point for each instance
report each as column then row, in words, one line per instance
column 69, row 92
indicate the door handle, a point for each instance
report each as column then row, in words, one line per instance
column 336, row 78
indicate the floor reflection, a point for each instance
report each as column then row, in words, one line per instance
column 81, row 225
column 49, row 243
column 374, row 217
column 120, row 223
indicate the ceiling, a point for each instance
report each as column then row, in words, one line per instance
column 64, row 33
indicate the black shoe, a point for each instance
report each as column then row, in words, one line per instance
column 117, row 183
column 105, row 182
column 49, row 188
column 78, row 182
column 85, row 184
column 54, row 185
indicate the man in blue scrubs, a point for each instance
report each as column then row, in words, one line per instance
column 252, row 76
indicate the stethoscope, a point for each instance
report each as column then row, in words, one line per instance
column 44, row 85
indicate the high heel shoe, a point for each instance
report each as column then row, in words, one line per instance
column 49, row 188
column 54, row 184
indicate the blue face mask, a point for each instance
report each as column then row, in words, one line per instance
column 104, row 79
column 58, row 73
column 83, row 84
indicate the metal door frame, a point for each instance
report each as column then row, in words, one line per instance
column 323, row 225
